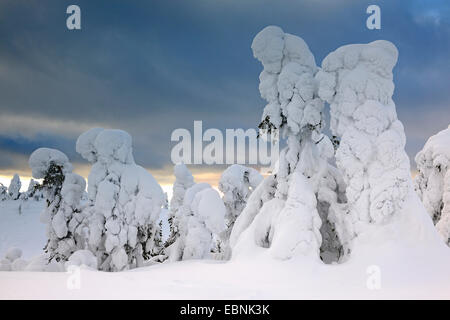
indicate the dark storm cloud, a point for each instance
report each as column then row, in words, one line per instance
column 149, row 67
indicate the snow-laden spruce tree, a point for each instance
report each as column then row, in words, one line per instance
column 283, row 215
column 3, row 193
column 14, row 187
column 34, row 191
column 63, row 190
column 432, row 182
column 125, row 202
column 357, row 81
column 199, row 220
column 183, row 181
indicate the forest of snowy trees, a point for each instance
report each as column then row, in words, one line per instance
column 327, row 195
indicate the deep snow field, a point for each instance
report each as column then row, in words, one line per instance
column 24, row 230
column 395, row 269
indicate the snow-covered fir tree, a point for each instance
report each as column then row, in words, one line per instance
column 125, row 202
column 287, row 220
column 63, row 190
column 432, row 182
column 183, row 181
column 14, row 187
column 199, row 220
column 34, row 191
column 357, row 81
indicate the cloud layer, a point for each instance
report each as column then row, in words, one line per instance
column 150, row 67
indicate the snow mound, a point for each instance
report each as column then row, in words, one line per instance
column 82, row 258
column 13, row 253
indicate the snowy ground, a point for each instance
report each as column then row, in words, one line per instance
column 22, row 230
column 389, row 271
column 251, row 280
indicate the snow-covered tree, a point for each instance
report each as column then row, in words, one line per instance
column 357, row 81
column 125, row 202
column 3, row 192
column 287, row 223
column 33, row 191
column 236, row 183
column 183, row 181
column 432, row 182
column 199, row 221
column 13, row 254
column 63, row 190
column 14, row 187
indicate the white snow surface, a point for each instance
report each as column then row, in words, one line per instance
column 409, row 268
column 24, row 230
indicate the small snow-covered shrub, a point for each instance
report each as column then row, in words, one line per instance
column 14, row 187
column 12, row 260
column 13, row 253
column 199, row 220
column 63, row 190
column 82, row 258
column 125, row 202
column 34, row 191
column 19, row 265
column 357, row 81
column 5, row 265
column 432, row 182
column 3, row 192
column 41, row 263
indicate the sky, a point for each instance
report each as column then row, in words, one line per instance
column 149, row 67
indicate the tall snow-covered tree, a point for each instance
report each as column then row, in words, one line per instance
column 357, row 81
column 183, row 181
column 432, row 182
column 63, row 190
column 287, row 223
column 199, row 221
column 125, row 202
column 14, row 187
